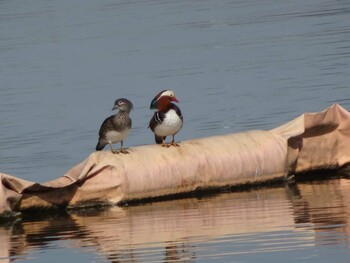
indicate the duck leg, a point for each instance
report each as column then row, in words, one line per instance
column 121, row 148
column 173, row 143
column 164, row 143
column 112, row 150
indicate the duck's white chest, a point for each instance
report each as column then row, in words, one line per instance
column 115, row 136
column 170, row 125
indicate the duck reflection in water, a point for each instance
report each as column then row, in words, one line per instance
column 181, row 230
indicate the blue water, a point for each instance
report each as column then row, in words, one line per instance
column 235, row 65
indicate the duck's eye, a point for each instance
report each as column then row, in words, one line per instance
column 171, row 95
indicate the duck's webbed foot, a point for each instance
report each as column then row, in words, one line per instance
column 164, row 144
column 173, row 143
column 112, row 150
column 122, row 150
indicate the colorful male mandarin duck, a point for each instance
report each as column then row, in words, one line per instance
column 167, row 120
column 116, row 128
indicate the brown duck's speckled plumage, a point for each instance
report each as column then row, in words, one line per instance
column 116, row 127
column 117, row 122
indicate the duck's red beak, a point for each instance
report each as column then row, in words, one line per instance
column 174, row 99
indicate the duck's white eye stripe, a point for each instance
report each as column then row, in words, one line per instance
column 169, row 93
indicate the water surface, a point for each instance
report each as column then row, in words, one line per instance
column 235, row 66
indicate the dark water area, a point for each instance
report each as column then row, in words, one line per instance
column 235, row 66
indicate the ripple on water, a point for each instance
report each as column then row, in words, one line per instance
column 235, row 65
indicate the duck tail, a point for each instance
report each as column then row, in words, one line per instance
column 159, row 139
column 100, row 146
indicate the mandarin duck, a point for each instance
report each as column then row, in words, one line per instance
column 116, row 128
column 167, row 120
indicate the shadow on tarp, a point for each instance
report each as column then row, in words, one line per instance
column 311, row 142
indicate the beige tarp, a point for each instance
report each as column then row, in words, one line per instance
column 310, row 142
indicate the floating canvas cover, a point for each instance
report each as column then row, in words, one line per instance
column 312, row 141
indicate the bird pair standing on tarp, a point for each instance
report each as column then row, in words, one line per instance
column 167, row 120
